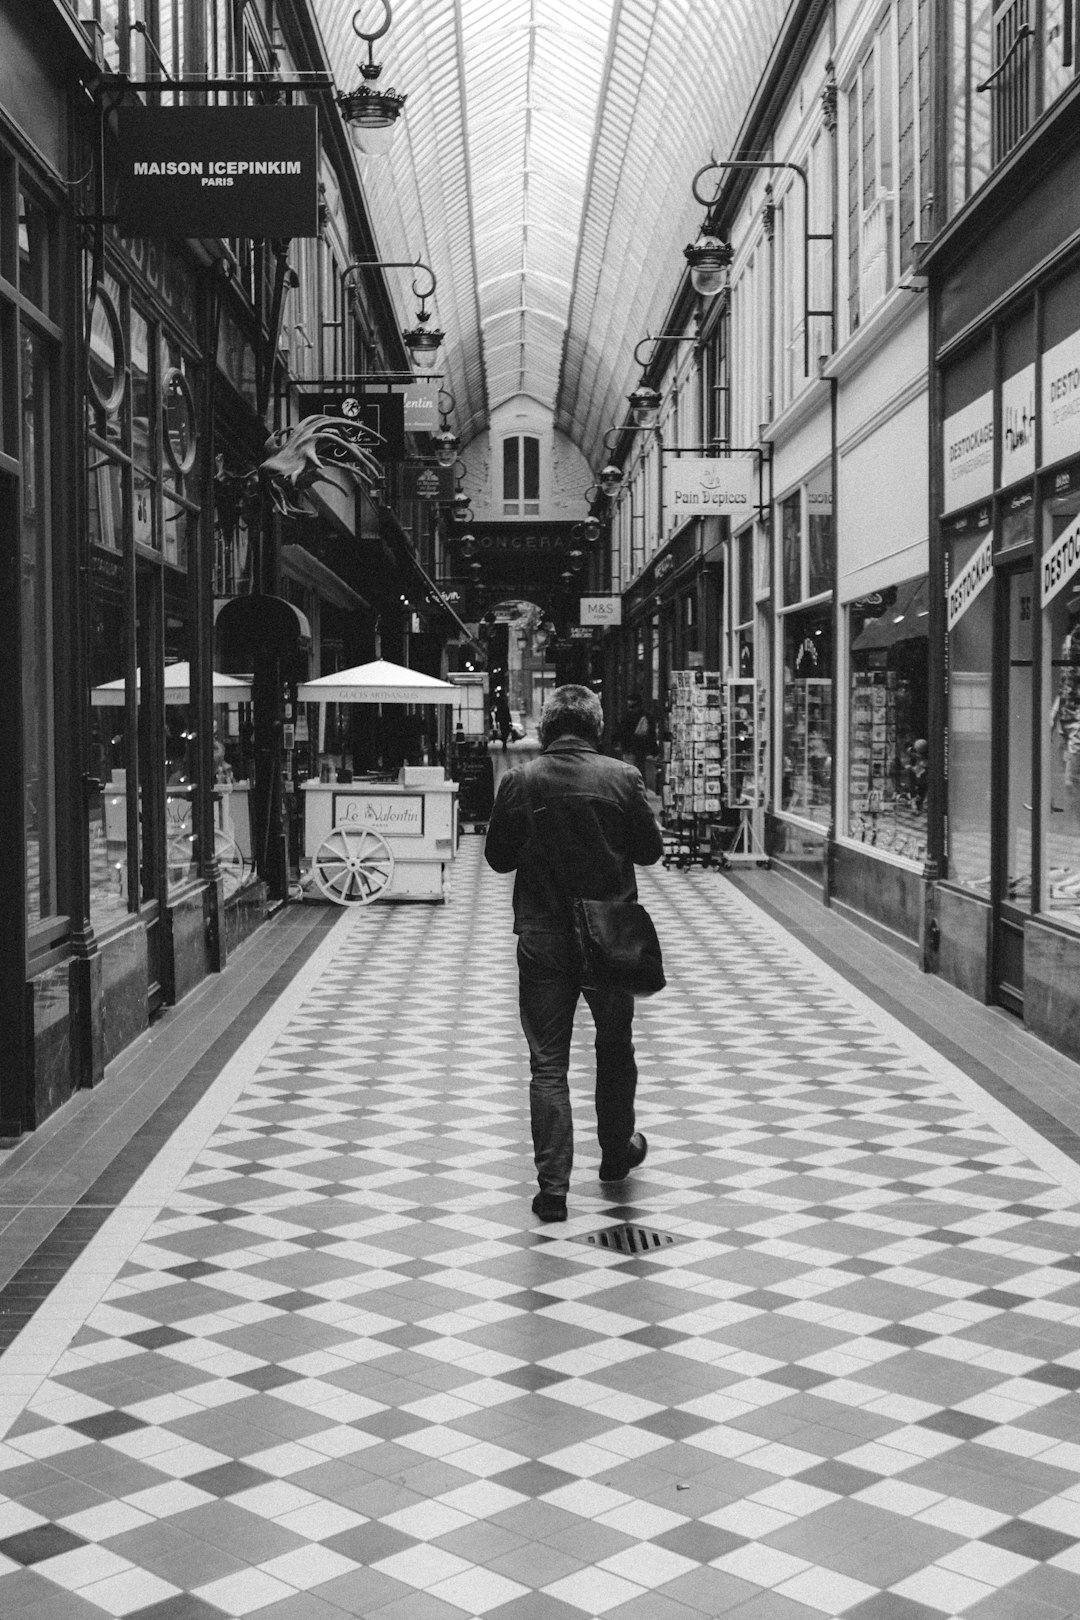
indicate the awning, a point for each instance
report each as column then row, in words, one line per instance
column 377, row 682
column 227, row 688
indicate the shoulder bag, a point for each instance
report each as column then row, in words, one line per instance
column 616, row 940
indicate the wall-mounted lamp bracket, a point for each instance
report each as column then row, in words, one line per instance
column 809, row 236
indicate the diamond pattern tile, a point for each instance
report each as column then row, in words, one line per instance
column 340, row 1369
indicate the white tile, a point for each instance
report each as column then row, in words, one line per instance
column 422, row 1566
column 244, row 1592
column 477, row 1591
column 825, row 1589
column 759, row 1564
column 942, row 1588
column 125, row 1593
column 306, row 1567
column 648, row 1565
column 594, row 1591
column 81, row 1566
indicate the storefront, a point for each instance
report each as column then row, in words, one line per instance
column 1005, row 587
column 672, row 614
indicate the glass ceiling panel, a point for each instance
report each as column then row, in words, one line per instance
column 542, row 167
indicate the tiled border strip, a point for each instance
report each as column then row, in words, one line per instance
column 1023, row 1124
column 28, row 1287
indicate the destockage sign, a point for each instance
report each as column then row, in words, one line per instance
column 217, row 171
column 1062, row 562
column 720, row 486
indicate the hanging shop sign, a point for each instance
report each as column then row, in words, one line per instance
column 422, row 482
column 1061, row 400
column 976, row 573
column 717, row 486
column 217, row 171
column 421, row 408
column 376, row 420
column 600, row 610
column 1018, row 426
column 1062, row 562
column 968, row 453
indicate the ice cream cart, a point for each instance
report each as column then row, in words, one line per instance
column 370, row 839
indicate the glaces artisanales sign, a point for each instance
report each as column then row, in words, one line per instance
column 217, row 171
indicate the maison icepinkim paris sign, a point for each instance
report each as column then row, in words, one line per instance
column 217, row 171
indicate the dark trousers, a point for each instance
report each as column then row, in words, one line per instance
column 548, row 990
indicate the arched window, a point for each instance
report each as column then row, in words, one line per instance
column 521, row 476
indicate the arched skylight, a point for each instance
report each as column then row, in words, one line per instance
column 542, row 167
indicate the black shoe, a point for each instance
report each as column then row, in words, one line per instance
column 550, row 1206
column 619, row 1169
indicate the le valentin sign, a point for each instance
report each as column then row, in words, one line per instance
column 217, row 171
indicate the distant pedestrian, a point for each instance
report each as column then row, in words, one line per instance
column 636, row 735
column 573, row 822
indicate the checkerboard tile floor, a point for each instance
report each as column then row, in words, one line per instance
column 341, row 1370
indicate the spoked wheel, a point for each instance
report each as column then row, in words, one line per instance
column 230, row 862
column 353, row 866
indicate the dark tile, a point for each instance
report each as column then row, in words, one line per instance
column 533, row 1378
column 43, row 1541
column 960, row 1424
column 107, row 1425
column 702, row 1542
column 1054, row 1373
column 999, row 1298
column 673, row 1424
column 535, row 1478
column 368, row 1543
column 184, row 1606
column 295, row 1300
column 268, row 1377
column 900, row 1333
column 1030, row 1540
column 890, row 1606
column 840, row 1477
column 227, row 1479
column 655, row 1337
column 796, row 1377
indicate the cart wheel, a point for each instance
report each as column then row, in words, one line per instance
column 230, row 862
column 353, row 866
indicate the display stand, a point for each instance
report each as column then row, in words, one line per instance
column 742, row 784
column 693, row 790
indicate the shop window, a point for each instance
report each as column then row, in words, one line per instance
column 1007, row 61
column 180, row 452
column 36, row 233
column 110, row 865
column 521, row 476
column 970, row 651
column 819, row 534
column 143, row 422
column 806, row 745
column 181, row 739
column 888, row 130
column 1061, row 728
column 888, row 748
column 791, row 547
column 37, row 698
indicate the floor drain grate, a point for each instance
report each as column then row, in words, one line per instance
column 627, row 1239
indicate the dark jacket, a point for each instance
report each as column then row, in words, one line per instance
column 592, row 824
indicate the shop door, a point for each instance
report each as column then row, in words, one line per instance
column 1013, row 818
column 151, row 810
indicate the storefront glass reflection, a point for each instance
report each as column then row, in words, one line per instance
column 888, row 757
column 1061, row 729
column 970, row 647
column 806, row 771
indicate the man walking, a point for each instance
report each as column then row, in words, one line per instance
column 572, row 822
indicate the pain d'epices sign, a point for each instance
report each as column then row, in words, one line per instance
column 217, row 171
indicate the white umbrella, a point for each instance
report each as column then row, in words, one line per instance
column 227, row 688
column 377, row 682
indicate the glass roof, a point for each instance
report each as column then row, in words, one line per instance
column 542, row 167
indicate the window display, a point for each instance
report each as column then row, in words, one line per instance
column 806, row 771
column 970, row 645
column 888, row 750
column 1061, row 729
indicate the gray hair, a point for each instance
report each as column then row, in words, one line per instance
column 571, row 711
